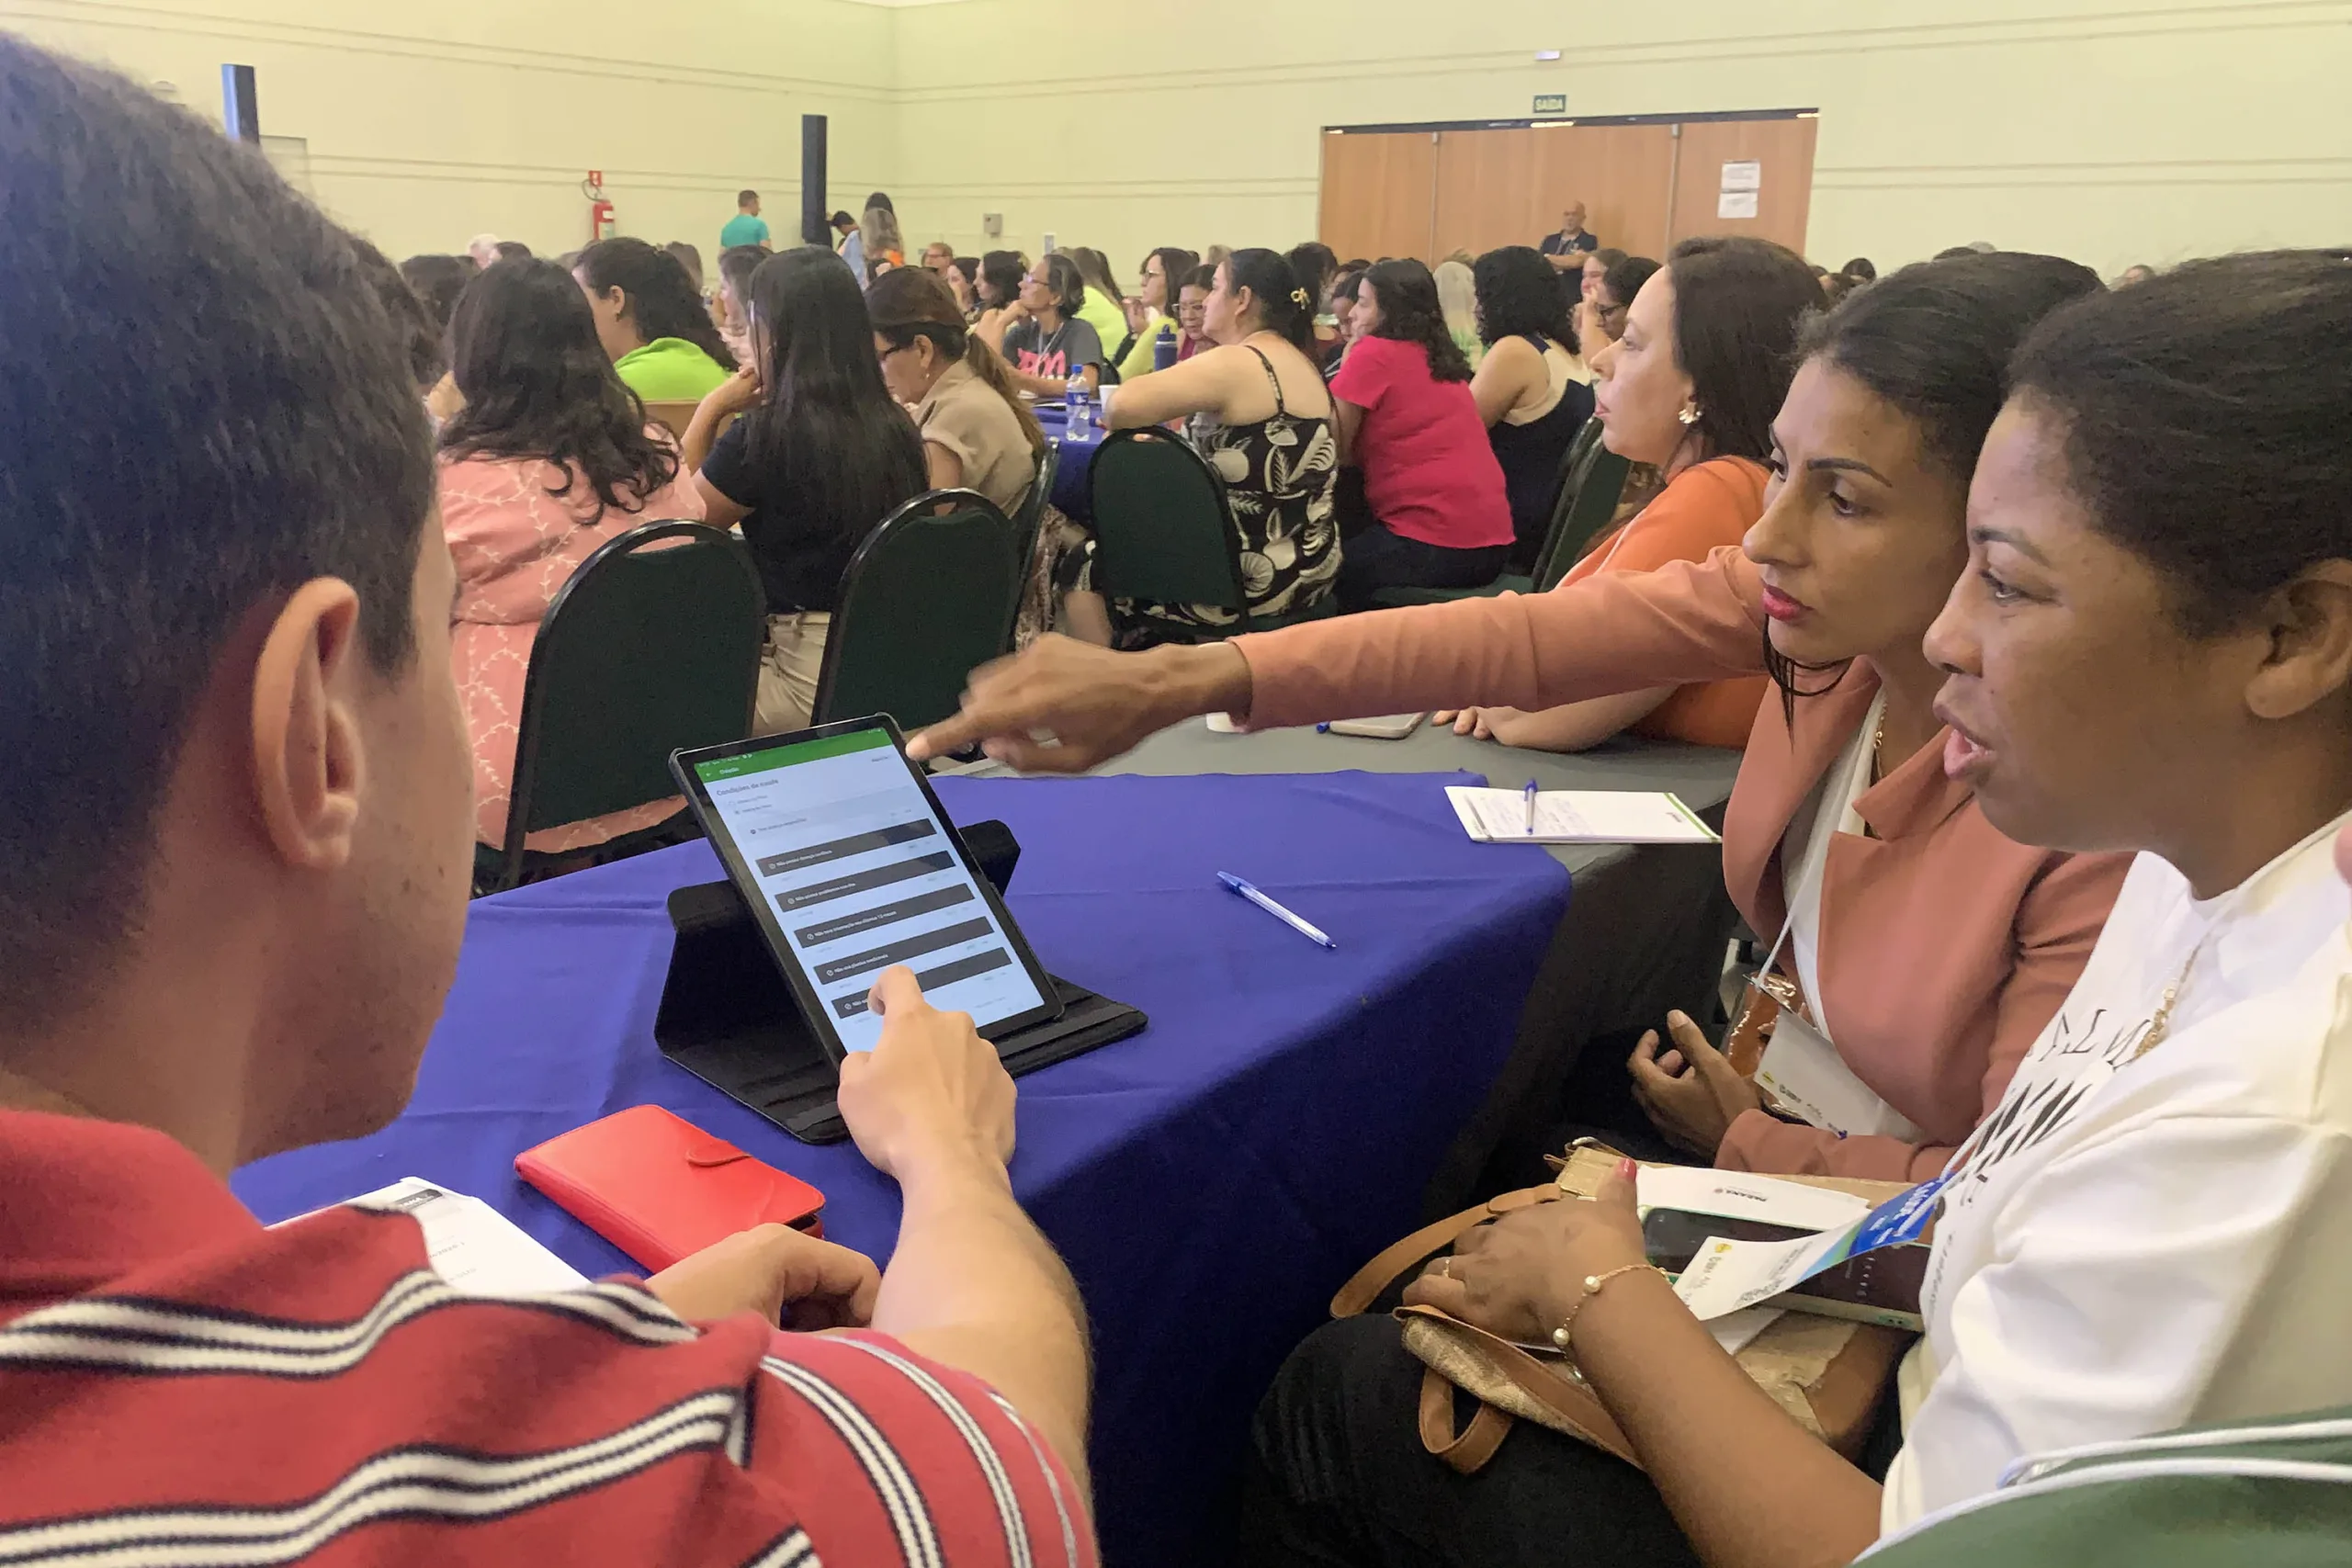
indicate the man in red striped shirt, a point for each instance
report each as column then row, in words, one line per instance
column 234, row 802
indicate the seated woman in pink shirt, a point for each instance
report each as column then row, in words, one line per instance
column 550, row 458
column 1433, row 512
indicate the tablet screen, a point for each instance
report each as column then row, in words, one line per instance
column 850, row 859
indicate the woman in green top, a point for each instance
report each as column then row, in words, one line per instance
column 650, row 320
column 1153, row 310
column 1099, row 308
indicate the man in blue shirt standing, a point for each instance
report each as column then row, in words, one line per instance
column 1568, row 248
column 747, row 227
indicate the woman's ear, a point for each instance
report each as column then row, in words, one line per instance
column 2310, row 658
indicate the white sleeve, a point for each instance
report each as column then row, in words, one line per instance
column 2143, row 1281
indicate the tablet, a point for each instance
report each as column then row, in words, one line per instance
column 838, row 845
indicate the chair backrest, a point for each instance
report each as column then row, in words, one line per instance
column 929, row 596
column 1596, row 480
column 1563, row 478
column 653, row 645
column 1032, row 515
column 1162, row 528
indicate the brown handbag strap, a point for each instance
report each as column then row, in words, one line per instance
column 1374, row 1277
column 1573, row 1403
column 1468, row 1450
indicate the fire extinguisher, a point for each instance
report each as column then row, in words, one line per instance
column 601, row 223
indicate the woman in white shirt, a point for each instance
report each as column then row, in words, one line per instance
column 2150, row 651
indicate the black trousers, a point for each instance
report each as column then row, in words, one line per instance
column 1377, row 558
column 1372, row 559
column 1339, row 1479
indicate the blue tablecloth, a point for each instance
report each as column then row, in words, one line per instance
column 1077, row 457
column 1211, row 1181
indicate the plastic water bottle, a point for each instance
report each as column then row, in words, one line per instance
column 1074, row 403
column 1163, row 349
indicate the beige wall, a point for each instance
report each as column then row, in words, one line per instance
column 432, row 121
column 2115, row 131
column 2112, row 131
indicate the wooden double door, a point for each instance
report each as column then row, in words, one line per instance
column 1429, row 192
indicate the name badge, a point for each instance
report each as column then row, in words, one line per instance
column 1801, row 1070
column 1732, row 1276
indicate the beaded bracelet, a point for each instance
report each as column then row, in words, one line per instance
column 1592, row 1284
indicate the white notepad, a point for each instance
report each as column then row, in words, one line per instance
column 1578, row 816
column 469, row 1244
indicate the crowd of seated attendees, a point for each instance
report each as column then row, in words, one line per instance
column 2027, row 601
column 1365, row 476
column 1413, row 497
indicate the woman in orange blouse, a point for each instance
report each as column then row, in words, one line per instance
column 550, row 458
column 1930, row 950
column 1689, row 388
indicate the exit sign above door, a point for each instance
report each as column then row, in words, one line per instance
column 1551, row 103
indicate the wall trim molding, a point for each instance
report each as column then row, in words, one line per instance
column 126, row 15
column 1701, row 116
column 2265, row 14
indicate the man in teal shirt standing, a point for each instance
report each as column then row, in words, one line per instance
column 747, row 227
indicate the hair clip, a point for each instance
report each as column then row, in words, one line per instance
column 1302, row 296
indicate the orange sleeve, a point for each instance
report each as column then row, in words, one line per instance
column 1617, row 631
column 2058, row 922
column 1704, row 510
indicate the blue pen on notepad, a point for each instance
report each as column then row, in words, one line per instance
column 1237, row 884
column 1530, row 808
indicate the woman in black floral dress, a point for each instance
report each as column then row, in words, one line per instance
column 1267, row 431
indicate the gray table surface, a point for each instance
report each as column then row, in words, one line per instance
column 1701, row 775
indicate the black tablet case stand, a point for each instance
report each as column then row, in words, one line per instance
column 728, row 1017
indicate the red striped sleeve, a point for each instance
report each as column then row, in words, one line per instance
column 319, row 1390
column 886, row 1456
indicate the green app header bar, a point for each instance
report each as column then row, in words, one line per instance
column 787, row 756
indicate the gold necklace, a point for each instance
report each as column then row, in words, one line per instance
column 2160, row 1021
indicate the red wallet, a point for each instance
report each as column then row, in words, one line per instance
column 659, row 1187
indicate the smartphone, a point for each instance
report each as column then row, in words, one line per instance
column 1672, row 1238
column 1388, row 726
column 1877, row 1286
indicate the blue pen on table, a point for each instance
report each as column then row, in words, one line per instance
column 1530, row 808
column 1237, row 884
